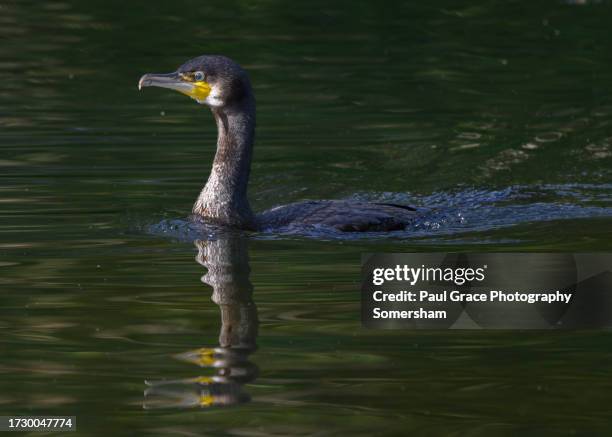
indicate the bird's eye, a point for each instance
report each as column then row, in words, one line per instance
column 198, row 76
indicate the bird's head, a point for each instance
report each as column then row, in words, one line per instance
column 211, row 80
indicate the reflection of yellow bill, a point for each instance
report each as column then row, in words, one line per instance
column 206, row 400
column 203, row 380
column 204, row 357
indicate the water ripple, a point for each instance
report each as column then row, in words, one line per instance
column 447, row 213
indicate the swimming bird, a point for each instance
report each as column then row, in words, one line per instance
column 221, row 84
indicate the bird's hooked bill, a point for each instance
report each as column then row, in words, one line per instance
column 182, row 83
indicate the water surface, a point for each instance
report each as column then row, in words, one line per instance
column 495, row 116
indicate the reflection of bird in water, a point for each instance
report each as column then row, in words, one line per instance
column 227, row 262
column 224, row 86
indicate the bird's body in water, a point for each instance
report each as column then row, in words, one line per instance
column 221, row 84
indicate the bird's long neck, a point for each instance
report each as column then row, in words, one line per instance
column 224, row 197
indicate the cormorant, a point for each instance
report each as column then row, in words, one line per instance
column 221, row 84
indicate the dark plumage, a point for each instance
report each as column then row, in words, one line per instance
column 224, row 86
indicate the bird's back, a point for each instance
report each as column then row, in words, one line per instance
column 345, row 216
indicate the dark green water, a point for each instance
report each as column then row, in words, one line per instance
column 496, row 114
